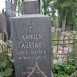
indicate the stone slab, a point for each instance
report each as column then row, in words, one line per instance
column 31, row 36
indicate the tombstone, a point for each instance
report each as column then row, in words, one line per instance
column 3, row 28
column 31, row 35
column 9, row 13
column 8, row 7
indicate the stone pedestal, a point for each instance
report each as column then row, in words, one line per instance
column 31, row 34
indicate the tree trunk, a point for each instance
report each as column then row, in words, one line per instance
column 64, row 21
column 59, row 19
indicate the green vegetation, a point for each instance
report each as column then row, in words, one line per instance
column 6, row 60
column 65, row 69
column 62, row 12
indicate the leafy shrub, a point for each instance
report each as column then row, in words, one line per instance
column 6, row 60
column 65, row 69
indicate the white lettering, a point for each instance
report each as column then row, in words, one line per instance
column 31, row 36
column 30, row 28
column 31, row 44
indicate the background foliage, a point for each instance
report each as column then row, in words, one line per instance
column 6, row 60
column 63, row 12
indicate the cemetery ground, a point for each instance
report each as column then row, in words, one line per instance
column 31, row 34
column 64, row 56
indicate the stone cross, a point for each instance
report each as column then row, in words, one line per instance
column 31, row 6
column 31, row 35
